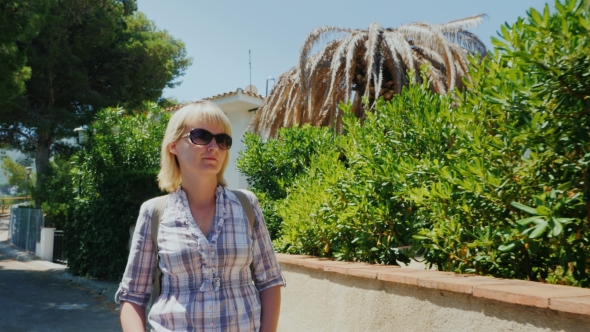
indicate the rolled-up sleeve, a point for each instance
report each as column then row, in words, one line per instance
column 267, row 272
column 136, row 285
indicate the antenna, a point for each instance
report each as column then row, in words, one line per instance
column 250, row 63
column 270, row 78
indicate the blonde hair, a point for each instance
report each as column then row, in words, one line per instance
column 170, row 178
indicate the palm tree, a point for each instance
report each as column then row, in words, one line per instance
column 369, row 63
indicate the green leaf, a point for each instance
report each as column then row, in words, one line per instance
column 565, row 220
column 543, row 210
column 526, row 221
column 584, row 22
column 564, row 26
column 546, row 16
column 565, row 186
column 571, row 6
column 560, row 8
column 539, row 230
column 505, row 33
column 506, row 247
column 557, row 227
column 499, row 43
column 573, row 198
column 553, row 194
column 524, row 208
column 536, row 16
column 510, row 245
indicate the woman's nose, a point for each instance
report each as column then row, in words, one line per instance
column 212, row 144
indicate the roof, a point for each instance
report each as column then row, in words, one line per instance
column 221, row 95
column 227, row 94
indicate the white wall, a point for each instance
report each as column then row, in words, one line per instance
column 239, row 121
column 238, row 108
column 316, row 300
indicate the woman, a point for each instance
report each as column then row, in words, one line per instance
column 205, row 242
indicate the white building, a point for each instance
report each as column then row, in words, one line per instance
column 240, row 107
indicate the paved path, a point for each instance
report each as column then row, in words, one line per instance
column 35, row 297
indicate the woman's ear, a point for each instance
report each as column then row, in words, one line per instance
column 172, row 148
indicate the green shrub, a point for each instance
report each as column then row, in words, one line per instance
column 492, row 180
column 271, row 166
column 524, row 175
column 57, row 190
column 308, row 226
column 97, row 237
column 351, row 204
column 118, row 168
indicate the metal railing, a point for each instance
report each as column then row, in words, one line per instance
column 59, row 253
column 7, row 202
column 24, row 230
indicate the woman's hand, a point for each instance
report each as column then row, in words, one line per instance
column 132, row 317
column 270, row 301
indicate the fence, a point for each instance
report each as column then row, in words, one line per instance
column 25, row 227
column 7, row 202
column 59, row 254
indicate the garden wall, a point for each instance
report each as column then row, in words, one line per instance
column 325, row 295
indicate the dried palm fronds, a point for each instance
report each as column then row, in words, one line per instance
column 369, row 63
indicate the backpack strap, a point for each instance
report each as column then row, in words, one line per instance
column 241, row 195
column 159, row 207
column 247, row 206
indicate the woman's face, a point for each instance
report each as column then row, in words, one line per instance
column 201, row 160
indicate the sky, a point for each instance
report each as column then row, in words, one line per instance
column 219, row 34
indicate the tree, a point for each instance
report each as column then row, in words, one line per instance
column 87, row 54
column 373, row 63
column 16, row 174
column 19, row 22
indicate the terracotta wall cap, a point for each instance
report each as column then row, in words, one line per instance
column 556, row 297
column 528, row 293
column 576, row 304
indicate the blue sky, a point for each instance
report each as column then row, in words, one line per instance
column 219, row 33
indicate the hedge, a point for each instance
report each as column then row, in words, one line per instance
column 492, row 180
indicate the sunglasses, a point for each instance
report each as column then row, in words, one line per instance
column 203, row 137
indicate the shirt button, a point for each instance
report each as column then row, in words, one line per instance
column 211, row 308
column 211, row 324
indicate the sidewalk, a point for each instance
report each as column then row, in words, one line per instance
column 103, row 288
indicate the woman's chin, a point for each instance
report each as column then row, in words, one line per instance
column 208, row 171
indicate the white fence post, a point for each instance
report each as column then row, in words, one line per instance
column 45, row 245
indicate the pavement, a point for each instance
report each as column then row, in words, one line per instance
column 16, row 263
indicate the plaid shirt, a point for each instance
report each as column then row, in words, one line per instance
column 206, row 282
